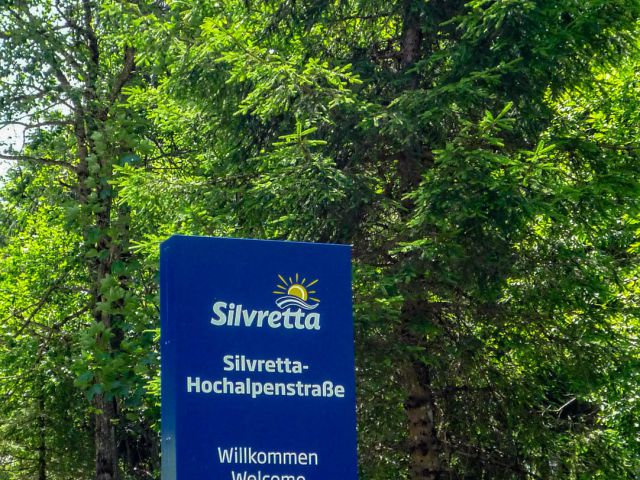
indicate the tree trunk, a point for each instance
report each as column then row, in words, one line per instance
column 105, row 439
column 42, row 441
column 411, row 34
column 106, row 413
column 424, row 446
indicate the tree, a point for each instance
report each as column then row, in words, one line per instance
column 73, row 60
column 425, row 133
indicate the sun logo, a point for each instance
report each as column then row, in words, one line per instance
column 295, row 293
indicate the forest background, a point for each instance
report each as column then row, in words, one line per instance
column 480, row 155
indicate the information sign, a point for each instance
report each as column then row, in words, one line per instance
column 257, row 360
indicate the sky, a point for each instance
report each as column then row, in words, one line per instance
column 9, row 136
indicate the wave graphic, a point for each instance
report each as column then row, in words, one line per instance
column 290, row 300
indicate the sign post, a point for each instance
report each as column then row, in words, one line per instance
column 257, row 360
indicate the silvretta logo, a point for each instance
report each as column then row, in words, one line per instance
column 295, row 293
column 295, row 300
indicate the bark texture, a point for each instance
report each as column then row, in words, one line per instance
column 424, row 447
column 42, row 440
column 105, row 439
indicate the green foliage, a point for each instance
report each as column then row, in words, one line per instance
column 481, row 156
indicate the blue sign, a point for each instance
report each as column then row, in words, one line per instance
column 257, row 360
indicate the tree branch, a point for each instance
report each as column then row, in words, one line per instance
column 125, row 74
column 43, row 301
column 92, row 39
column 30, row 126
column 41, row 160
